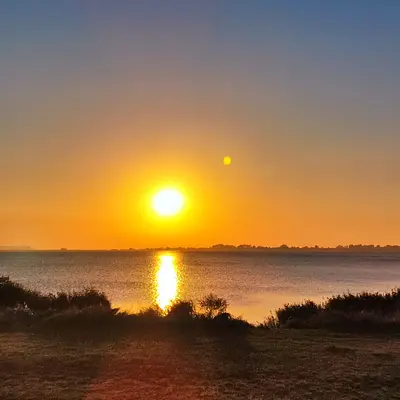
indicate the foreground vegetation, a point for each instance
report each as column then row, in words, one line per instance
column 76, row 346
column 348, row 312
column 21, row 308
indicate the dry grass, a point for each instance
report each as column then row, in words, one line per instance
column 283, row 364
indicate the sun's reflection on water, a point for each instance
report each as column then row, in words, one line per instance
column 166, row 281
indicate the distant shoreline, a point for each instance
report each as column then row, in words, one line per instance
column 252, row 250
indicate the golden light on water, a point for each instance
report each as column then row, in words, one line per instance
column 166, row 281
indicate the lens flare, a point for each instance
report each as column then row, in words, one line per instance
column 227, row 160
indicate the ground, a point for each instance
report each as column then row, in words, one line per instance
column 286, row 364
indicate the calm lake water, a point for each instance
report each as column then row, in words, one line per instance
column 254, row 283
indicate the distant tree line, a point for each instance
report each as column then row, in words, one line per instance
column 283, row 247
column 316, row 247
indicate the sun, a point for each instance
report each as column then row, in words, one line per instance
column 168, row 202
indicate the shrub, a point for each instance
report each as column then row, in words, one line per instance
column 238, row 323
column 359, row 322
column 213, row 305
column 97, row 318
column 86, row 298
column 225, row 323
column 37, row 302
column 362, row 312
column 60, row 302
column 270, row 322
column 223, row 318
column 13, row 295
column 301, row 311
column 151, row 312
column 11, row 318
column 181, row 310
column 91, row 309
column 372, row 302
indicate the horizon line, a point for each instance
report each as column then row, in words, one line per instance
column 217, row 247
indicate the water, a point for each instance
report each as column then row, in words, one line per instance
column 254, row 283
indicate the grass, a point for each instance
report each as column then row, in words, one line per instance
column 263, row 364
column 79, row 347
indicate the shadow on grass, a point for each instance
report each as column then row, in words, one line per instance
column 234, row 358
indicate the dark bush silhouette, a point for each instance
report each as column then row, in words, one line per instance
column 84, row 299
column 181, row 310
column 378, row 303
column 347, row 312
column 363, row 312
column 213, row 305
column 11, row 294
column 225, row 321
column 14, row 295
column 362, row 322
column 91, row 309
column 98, row 318
column 151, row 312
column 297, row 311
column 61, row 301
column 223, row 318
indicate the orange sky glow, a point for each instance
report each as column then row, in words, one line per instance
column 101, row 107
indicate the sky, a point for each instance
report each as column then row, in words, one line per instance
column 103, row 103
